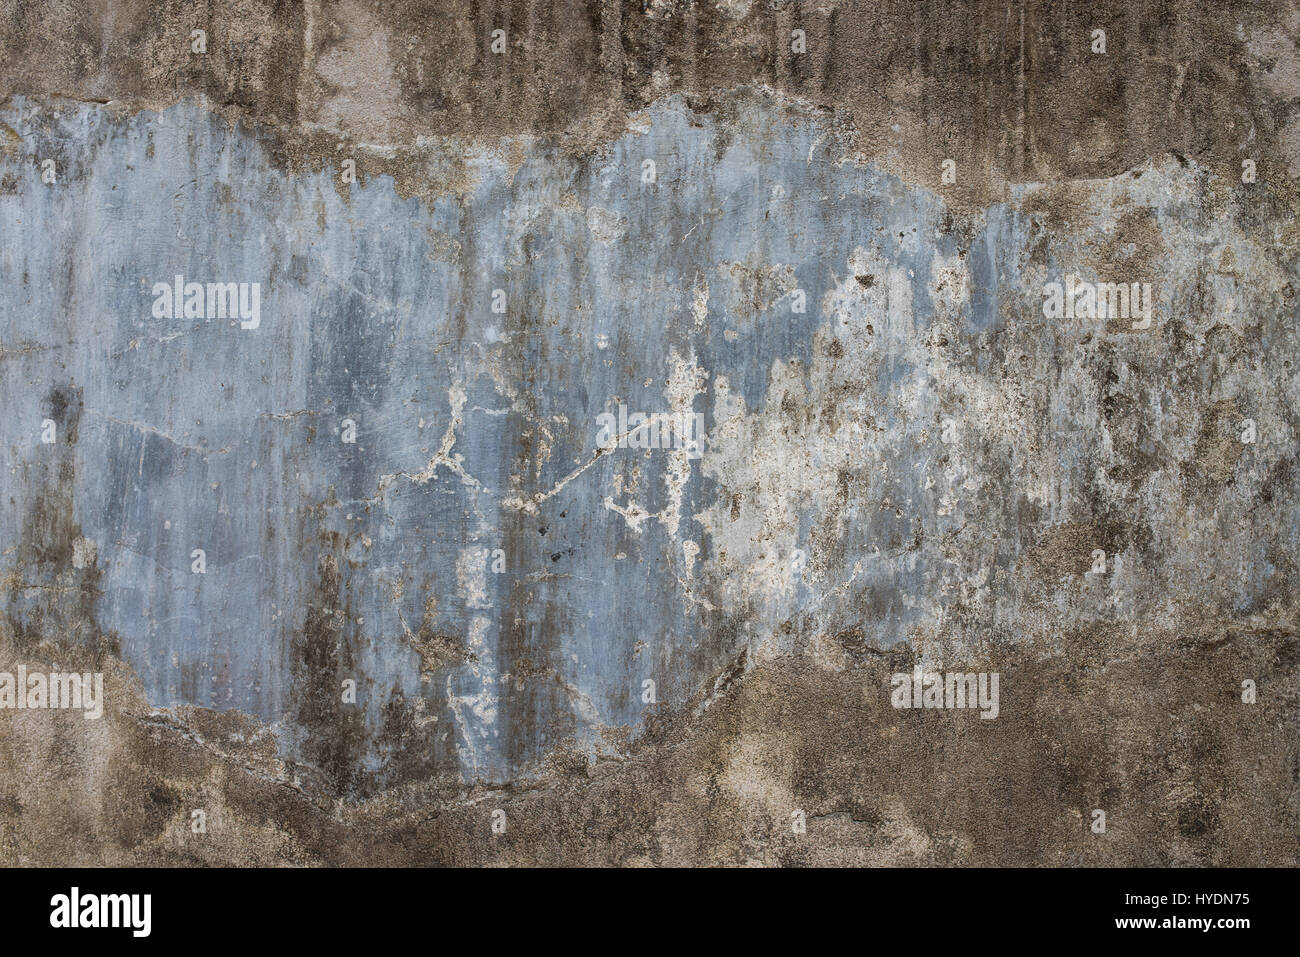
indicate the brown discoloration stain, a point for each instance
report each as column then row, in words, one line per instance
column 1020, row 93
column 1149, row 727
column 322, row 660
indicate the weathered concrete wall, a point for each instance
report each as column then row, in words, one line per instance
column 904, row 462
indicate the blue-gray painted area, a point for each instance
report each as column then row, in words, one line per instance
column 847, row 475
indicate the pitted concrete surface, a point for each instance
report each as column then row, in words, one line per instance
column 369, row 581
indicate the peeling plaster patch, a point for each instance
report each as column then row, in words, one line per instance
column 633, row 514
column 690, row 551
column 471, row 577
column 83, row 553
column 443, row 458
column 686, row 380
column 700, row 303
column 606, row 227
column 755, row 289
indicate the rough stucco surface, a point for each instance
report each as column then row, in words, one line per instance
column 914, row 471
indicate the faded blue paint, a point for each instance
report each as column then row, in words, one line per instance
column 366, row 316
